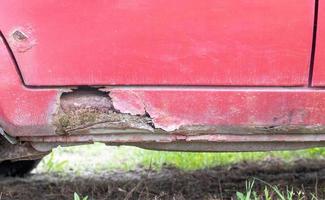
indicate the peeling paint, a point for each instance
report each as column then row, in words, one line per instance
column 132, row 102
column 127, row 102
column 90, row 110
column 102, row 111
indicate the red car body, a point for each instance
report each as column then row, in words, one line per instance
column 198, row 75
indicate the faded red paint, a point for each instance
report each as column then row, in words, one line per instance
column 164, row 73
column 28, row 112
column 127, row 102
column 161, row 42
column 172, row 108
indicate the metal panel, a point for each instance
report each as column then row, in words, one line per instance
column 162, row 42
column 22, row 110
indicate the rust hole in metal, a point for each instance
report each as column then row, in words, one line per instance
column 89, row 110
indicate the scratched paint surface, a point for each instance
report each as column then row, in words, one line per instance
column 162, row 42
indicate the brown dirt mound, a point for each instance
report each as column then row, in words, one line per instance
column 169, row 183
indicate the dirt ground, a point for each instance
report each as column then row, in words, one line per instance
column 217, row 183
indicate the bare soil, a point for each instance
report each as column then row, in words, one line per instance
column 307, row 176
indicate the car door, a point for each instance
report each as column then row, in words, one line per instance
column 162, row 42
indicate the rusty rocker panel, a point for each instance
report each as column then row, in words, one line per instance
column 174, row 118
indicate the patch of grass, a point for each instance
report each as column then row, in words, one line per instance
column 77, row 197
column 270, row 192
column 248, row 193
column 52, row 164
column 99, row 157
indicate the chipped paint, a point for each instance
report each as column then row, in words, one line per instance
column 22, row 39
column 131, row 102
column 128, row 102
